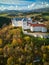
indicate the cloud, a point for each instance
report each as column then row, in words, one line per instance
column 29, row 6
column 32, row 5
column 44, row 4
column 2, row 8
column 12, row 8
column 17, row 2
column 8, row 8
column 38, row 5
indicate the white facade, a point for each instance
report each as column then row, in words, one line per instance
column 17, row 23
column 38, row 29
column 44, row 29
column 25, row 23
column 21, row 23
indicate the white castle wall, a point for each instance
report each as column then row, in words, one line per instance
column 25, row 25
column 38, row 29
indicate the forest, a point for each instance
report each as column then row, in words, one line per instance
column 19, row 49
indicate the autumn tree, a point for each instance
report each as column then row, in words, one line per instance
column 10, row 61
column 27, row 39
column 1, row 42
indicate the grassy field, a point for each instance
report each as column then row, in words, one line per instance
column 11, row 15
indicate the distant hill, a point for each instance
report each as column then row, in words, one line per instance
column 41, row 10
column 25, row 11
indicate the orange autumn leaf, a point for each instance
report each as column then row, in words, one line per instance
column 19, row 40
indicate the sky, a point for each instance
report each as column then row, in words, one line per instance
column 23, row 4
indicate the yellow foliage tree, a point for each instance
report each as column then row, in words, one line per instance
column 1, row 50
column 27, row 39
column 43, row 48
column 1, row 42
column 14, row 42
column 10, row 61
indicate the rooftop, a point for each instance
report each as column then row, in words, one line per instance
column 37, row 25
column 25, row 19
column 17, row 19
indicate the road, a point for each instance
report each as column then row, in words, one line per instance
column 38, row 34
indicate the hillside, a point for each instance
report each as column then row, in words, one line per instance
column 19, row 49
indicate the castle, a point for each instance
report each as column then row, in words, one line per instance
column 27, row 23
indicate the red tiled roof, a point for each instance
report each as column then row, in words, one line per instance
column 34, row 25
